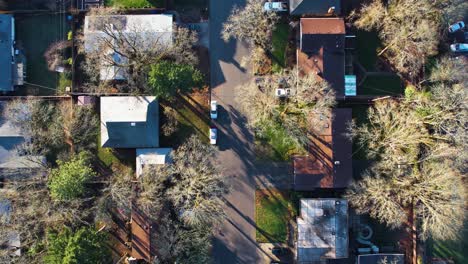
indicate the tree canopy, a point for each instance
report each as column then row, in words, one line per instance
column 418, row 144
column 251, row 24
column 304, row 111
column 68, row 181
column 409, row 30
column 167, row 78
column 86, row 245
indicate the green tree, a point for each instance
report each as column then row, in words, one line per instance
column 167, row 78
column 84, row 246
column 68, row 181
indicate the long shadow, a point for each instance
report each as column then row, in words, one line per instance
column 201, row 114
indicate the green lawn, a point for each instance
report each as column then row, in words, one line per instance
column 271, row 216
column 34, row 35
column 455, row 250
column 135, row 3
column 190, row 121
column 275, row 144
column 381, row 85
column 367, row 44
column 279, row 44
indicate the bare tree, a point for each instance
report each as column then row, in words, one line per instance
column 409, row 30
column 305, row 110
column 435, row 192
column 251, row 24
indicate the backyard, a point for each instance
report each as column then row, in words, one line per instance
column 272, row 214
column 34, row 34
column 374, row 81
column 454, row 250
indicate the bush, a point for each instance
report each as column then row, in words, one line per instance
column 135, row 3
column 68, row 181
column 167, row 78
column 84, row 246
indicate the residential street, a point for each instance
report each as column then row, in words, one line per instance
column 235, row 242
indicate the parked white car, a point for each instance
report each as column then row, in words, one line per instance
column 213, row 135
column 459, row 47
column 213, row 109
column 276, row 6
column 283, row 92
column 457, row 26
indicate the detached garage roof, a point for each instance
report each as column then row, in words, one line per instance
column 129, row 122
column 313, row 7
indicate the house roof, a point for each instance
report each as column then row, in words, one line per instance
column 151, row 156
column 329, row 160
column 321, row 50
column 322, row 230
column 313, row 7
column 378, row 258
column 147, row 29
column 129, row 122
column 6, row 52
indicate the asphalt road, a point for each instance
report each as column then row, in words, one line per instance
column 235, row 241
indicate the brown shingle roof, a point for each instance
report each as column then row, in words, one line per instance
column 322, row 26
column 328, row 163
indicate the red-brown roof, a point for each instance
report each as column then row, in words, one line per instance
column 322, row 26
column 328, row 163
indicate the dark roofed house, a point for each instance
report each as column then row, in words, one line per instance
column 321, row 50
column 328, row 163
column 314, row 7
column 129, row 122
column 7, row 33
column 322, row 230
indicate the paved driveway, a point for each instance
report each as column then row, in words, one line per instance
column 235, row 241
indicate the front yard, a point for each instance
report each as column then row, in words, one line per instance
column 275, row 144
column 279, row 43
column 273, row 210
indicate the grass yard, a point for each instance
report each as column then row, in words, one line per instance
column 135, row 3
column 279, row 43
column 272, row 213
column 34, row 34
column 192, row 115
column 381, row 85
column 367, row 44
column 274, row 144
